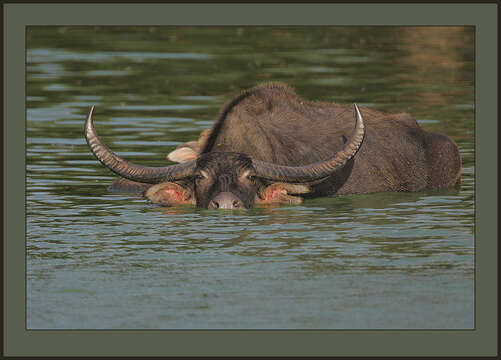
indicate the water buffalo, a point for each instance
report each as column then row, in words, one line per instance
column 270, row 146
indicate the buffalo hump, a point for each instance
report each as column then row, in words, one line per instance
column 270, row 122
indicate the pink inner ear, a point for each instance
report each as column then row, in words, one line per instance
column 270, row 195
column 173, row 194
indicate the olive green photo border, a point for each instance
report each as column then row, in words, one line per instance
column 481, row 341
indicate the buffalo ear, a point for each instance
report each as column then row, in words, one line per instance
column 191, row 149
column 169, row 194
column 279, row 193
column 184, row 153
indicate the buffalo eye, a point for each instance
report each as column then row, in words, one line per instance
column 201, row 175
column 247, row 174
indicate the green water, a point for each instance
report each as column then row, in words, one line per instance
column 97, row 260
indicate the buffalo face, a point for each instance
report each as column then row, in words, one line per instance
column 219, row 181
column 222, row 180
column 225, row 181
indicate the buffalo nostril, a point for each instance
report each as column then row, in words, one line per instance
column 225, row 200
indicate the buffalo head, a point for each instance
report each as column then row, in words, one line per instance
column 223, row 179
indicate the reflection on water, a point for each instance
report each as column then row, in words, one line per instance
column 102, row 260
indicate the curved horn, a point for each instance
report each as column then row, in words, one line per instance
column 145, row 174
column 317, row 170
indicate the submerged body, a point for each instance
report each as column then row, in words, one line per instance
column 269, row 145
